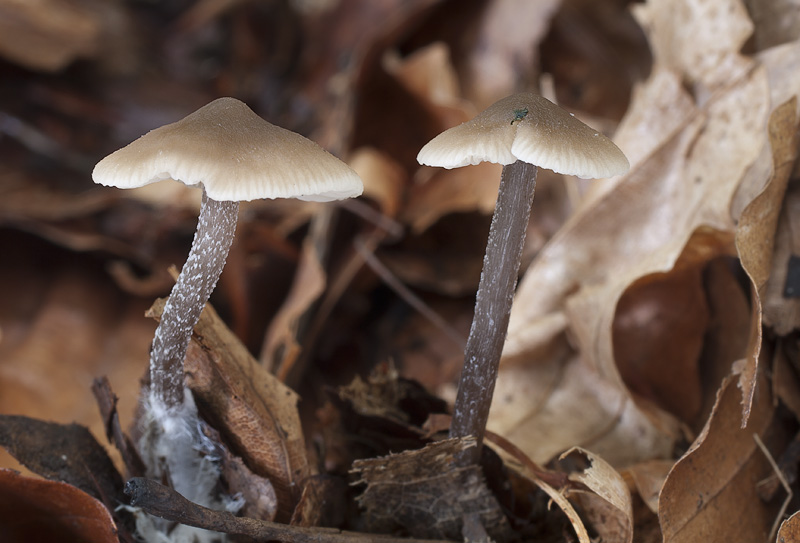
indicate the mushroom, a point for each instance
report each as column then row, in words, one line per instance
column 236, row 156
column 520, row 132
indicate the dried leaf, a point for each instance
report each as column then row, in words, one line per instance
column 254, row 412
column 428, row 73
column 649, row 479
column 47, row 35
column 384, row 179
column 775, row 22
column 546, row 408
column 37, row 510
column 659, row 332
column 426, row 494
column 790, row 529
column 450, row 191
column 504, row 52
column 711, row 492
column 757, row 227
column 557, row 495
column 258, row 493
column 63, row 322
column 613, row 520
column 324, row 501
column 281, row 342
column 66, row 453
column 701, row 39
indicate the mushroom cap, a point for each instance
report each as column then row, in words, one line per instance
column 530, row 128
column 235, row 154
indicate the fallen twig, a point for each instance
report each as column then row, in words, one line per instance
column 164, row 502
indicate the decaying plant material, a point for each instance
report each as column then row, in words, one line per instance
column 648, row 386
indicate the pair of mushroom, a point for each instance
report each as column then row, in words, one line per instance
column 235, row 155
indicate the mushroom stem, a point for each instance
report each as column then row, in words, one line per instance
column 493, row 305
column 212, row 241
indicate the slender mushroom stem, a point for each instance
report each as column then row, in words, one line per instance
column 212, row 241
column 493, row 305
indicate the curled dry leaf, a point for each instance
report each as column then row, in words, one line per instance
column 528, row 470
column 425, row 493
column 255, row 413
column 612, row 514
column 757, row 227
column 36, row 510
column 428, row 73
column 711, row 493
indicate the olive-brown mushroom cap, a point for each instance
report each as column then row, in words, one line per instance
column 530, row 128
column 235, row 154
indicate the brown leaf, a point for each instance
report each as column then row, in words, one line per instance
column 37, row 510
column 425, row 493
column 505, row 51
column 612, row 514
column 257, row 492
column 790, row 529
column 47, row 35
column 730, row 323
column 254, row 412
column 324, row 502
column 756, row 231
column 281, row 342
column 649, row 479
column 428, row 73
column 776, row 22
column 658, row 336
column 472, row 188
column 63, row 323
column 711, row 492
column 66, row 453
column 384, row 179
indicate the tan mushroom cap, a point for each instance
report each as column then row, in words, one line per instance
column 235, row 154
column 530, row 128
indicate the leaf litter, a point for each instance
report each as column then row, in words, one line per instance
column 653, row 326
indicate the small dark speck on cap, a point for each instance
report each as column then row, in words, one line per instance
column 519, row 114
